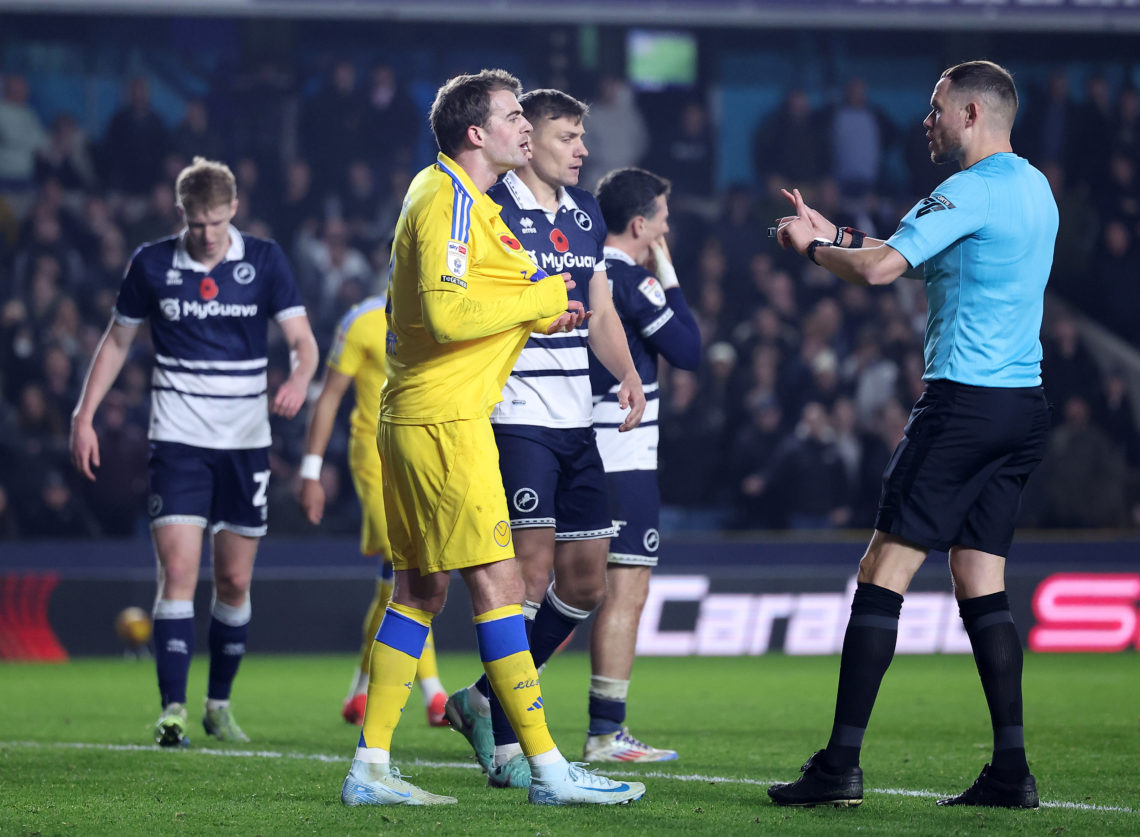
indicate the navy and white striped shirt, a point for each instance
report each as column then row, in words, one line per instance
column 209, row 328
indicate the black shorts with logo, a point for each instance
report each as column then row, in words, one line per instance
column 956, row 477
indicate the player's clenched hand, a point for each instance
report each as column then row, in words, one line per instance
column 313, row 500
column 575, row 315
column 84, row 448
column 288, row 401
column 632, row 397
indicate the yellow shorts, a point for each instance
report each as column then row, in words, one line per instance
column 444, row 496
column 364, row 465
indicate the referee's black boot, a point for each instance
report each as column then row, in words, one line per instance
column 819, row 786
column 993, row 793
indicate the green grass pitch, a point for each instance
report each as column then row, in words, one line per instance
column 76, row 758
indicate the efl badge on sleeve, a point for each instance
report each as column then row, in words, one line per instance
column 651, row 289
column 456, row 257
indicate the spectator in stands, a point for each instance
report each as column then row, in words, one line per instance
column 160, row 216
column 1116, row 414
column 333, row 274
column 617, row 130
column 117, row 502
column 66, row 156
column 1126, row 126
column 358, row 204
column 1067, row 367
column 259, row 118
column 1050, row 129
column 135, row 143
column 885, row 432
column 22, row 137
column 59, row 512
column 9, row 526
column 41, row 425
column 332, row 127
column 687, row 153
column 1113, row 289
column 196, row 135
column 1120, row 197
column 788, row 145
column 390, row 122
column 751, row 455
column 1094, row 142
column 859, row 135
column 806, row 481
column 298, row 216
column 1081, row 482
column 46, row 241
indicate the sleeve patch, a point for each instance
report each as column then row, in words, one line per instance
column 651, row 289
column 456, row 257
column 453, row 280
column 935, row 203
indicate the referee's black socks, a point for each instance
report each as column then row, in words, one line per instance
column 998, row 655
column 868, row 647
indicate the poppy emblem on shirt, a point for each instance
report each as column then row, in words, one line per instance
column 510, row 241
column 208, row 289
column 559, row 240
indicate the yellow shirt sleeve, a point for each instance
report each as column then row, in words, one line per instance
column 452, row 317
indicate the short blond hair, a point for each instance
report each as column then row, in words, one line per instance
column 205, row 184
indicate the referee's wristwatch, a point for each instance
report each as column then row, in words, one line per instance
column 816, row 243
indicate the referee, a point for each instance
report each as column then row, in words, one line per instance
column 984, row 242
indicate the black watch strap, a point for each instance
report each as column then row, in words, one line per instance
column 811, row 248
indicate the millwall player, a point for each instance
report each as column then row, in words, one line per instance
column 658, row 324
column 552, row 473
column 357, row 358
column 462, row 301
column 208, row 294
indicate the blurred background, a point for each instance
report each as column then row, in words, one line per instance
column 320, row 110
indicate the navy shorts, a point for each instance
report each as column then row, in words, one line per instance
column 635, row 502
column 956, row 477
column 554, row 478
column 225, row 489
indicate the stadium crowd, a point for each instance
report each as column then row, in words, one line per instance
column 805, row 383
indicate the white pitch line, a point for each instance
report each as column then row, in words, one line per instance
column 650, row 774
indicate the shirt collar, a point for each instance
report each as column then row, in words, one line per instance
column 462, row 179
column 183, row 260
column 526, row 200
column 613, row 254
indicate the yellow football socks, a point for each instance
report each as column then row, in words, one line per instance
column 392, row 670
column 505, row 652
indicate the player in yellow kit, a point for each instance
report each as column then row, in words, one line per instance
column 357, row 358
column 462, row 300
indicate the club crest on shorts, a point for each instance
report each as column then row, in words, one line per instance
column 456, row 257
column 651, row 540
column 154, row 505
column 502, row 533
column 525, row 499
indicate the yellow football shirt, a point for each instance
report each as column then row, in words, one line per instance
column 358, row 352
column 450, row 239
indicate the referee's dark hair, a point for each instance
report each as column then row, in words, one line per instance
column 987, row 78
column 464, row 101
column 623, row 194
column 547, row 103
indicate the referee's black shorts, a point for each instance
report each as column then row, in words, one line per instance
column 956, row 477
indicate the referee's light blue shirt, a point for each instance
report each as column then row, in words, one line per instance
column 986, row 236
